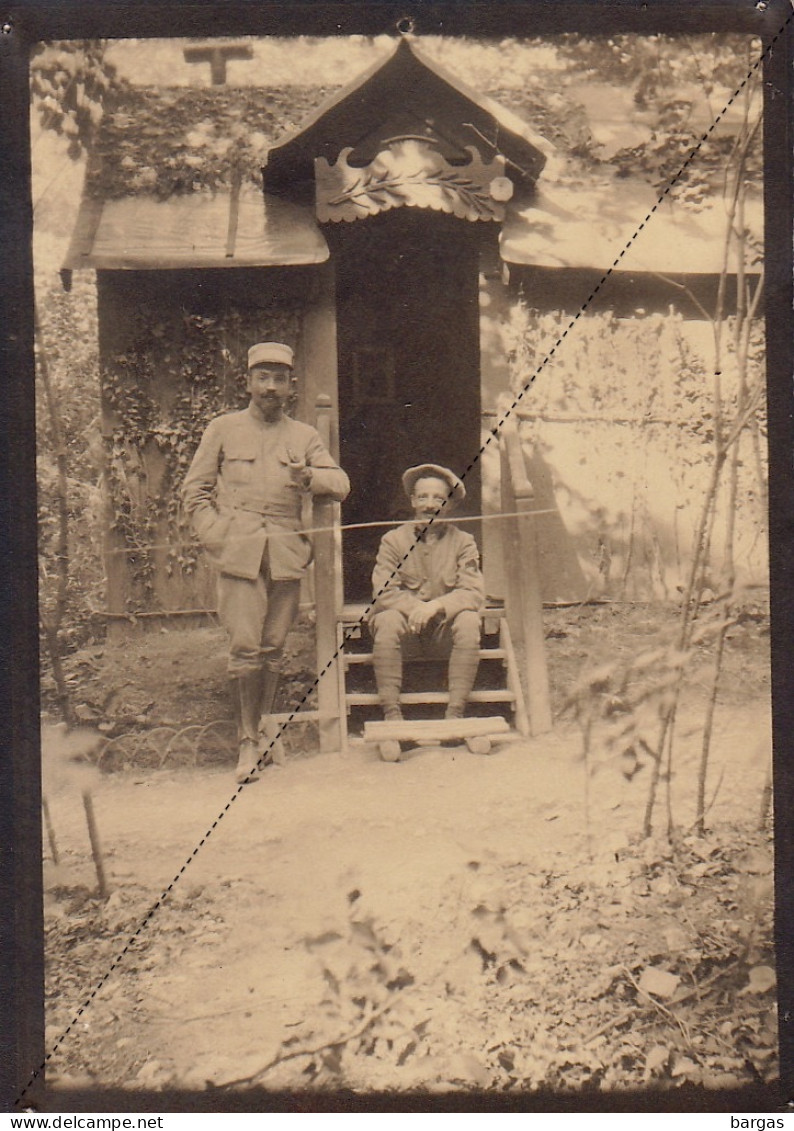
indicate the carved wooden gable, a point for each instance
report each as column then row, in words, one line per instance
column 407, row 134
column 411, row 172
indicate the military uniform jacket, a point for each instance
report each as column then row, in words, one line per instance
column 241, row 500
column 409, row 571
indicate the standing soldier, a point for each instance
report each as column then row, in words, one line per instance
column 243, row 493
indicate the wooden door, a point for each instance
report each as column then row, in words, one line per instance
column 409, row 365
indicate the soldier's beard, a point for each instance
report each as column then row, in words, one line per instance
column 271, row 407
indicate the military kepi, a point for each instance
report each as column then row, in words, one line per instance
column 423, row 470
column 269, row 353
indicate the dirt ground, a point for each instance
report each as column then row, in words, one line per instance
column 448, row 923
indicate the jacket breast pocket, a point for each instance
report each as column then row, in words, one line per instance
column 449, row 578
column 239, row 457
column 409, row 580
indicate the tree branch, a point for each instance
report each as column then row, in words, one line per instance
column 281, row 1058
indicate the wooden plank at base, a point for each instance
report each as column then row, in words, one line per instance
column 296, row 716
column 367, row 698
column 435, row 730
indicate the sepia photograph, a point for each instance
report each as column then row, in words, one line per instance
column 402, row 466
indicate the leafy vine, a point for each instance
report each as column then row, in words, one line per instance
column 162, row 391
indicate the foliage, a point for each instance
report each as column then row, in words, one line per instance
column 557, row 118
column 160, row 392
column 68, row 85
column 731, row 415
column 369, row 1010
column 69, row 330
column 639, row 994
column 176, row 374
column 92, row 932
column 165, row 141
column 140, row 693
column 620, row 706
column 649, row 967
column 655, row 64
column 678, row 84
column 69, row 82
column 658, row 956
column 525, row 77
column 162, row 141
column 170, row 140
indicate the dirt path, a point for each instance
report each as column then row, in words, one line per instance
column 231, row 965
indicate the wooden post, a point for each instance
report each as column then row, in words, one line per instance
column 96, row 848
column 528, row 587
column 50, row 831
column 514, row 680
column 511, row 550
column 327, row 583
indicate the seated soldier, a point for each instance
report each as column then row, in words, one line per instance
column 428, row 593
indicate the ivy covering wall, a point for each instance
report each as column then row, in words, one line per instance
column 173, row 356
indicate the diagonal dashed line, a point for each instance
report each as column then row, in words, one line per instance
column 492, row 435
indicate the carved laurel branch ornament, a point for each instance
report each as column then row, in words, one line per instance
column 410, row 173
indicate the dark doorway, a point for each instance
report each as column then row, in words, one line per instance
column 409, row 365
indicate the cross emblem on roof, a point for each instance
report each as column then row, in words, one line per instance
column 216, row 53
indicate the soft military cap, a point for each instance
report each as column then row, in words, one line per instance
column 424, row 470
column 269, row 353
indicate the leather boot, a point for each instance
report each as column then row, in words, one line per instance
column 247, row 702
column 272, row 748
column 388, row 679
column 463, row 664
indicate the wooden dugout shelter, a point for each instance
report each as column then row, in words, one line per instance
column 382, row 243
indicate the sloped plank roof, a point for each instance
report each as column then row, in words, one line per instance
column 589, row 226
column 406, row 81
column 200, row 229
column 158, row 190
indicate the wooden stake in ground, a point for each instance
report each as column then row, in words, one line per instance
column 96, row 849
column 45, row 809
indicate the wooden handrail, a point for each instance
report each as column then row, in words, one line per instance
column 327, row 595
column 522, row 488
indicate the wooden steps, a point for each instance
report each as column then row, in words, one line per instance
column 499, row 684
column 366, row 657
column 344, row 658
column 370, row 698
